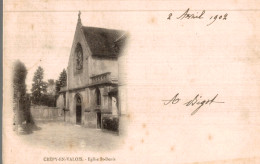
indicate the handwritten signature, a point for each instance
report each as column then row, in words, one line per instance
column 199, row 15
column 196, row 101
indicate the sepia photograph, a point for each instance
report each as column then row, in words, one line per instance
column 149, row 81
column 84, row 106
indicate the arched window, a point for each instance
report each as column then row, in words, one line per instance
column 79, row 57
column 78, row 100
column 98, row 97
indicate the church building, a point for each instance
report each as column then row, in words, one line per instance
column 93, row 90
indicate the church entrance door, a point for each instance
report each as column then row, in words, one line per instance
column 78, row 109
column 78, row 114
column 98, row 120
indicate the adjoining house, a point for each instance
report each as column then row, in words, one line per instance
column 93, row 90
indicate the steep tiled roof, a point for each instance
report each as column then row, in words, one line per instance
column 103, row 42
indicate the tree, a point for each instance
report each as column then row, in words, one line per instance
column 62, row 81
column 39, row 86
column 63, row 78
column 51, row 82
column 48, row 98
column 21, row 99
column 51, row 87
column 19, row 77
column 19, row 92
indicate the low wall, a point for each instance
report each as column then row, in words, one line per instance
column 46, row 113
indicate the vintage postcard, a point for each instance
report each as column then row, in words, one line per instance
column 131, row 81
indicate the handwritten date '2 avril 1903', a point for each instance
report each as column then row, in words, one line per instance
column 198, row 15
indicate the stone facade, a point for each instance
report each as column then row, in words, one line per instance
column 92, row 90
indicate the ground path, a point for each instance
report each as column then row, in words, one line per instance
column 66, row 136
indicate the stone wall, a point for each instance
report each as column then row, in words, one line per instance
column 88, row 104
column 102, row 65
column 122, row 98
column 46, row 113
column 81, row 78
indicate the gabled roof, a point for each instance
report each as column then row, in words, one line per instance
column 103, row 42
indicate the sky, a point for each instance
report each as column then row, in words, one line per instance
column 45, row 39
